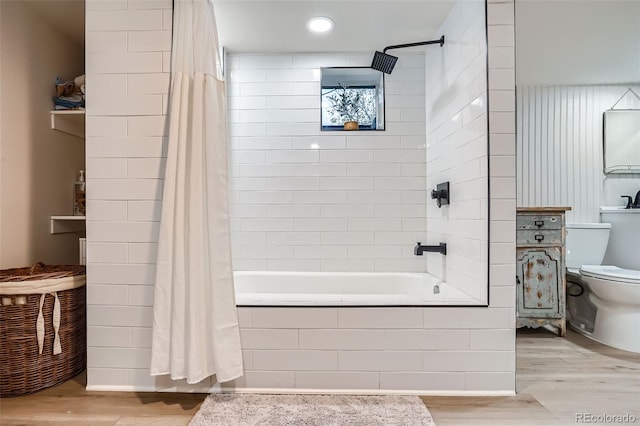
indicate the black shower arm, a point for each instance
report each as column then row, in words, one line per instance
column 420, row 43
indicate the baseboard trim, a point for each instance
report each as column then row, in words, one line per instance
column 288, row 391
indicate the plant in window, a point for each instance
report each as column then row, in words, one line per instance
column 351, row 106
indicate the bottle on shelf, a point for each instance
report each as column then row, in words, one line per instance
column 79, row 203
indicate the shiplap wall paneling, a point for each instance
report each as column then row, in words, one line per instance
column 559, row 148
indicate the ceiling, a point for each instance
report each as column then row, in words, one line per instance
column 360, row 25
column 558, row 42
column 577, row 42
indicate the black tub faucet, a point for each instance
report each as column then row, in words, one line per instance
column 440, row 248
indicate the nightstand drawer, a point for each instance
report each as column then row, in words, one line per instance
column 525, row 221
column 542, row 236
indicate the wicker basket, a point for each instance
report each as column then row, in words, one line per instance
column 29, row 300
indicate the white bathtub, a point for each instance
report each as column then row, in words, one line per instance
column 344, row 289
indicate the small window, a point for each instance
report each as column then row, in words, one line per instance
column 341, row 104
column 352, row 99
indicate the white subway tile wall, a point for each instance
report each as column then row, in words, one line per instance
column 457, row 148
column 350, row 200
column 126, row 129
column 331, row 192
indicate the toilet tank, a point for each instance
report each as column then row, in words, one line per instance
column 624, row 245
column 586, row 243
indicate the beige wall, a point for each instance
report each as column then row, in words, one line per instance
column 38, row 165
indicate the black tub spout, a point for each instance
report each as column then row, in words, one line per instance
column 440, row 248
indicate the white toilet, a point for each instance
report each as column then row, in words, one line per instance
column 586, row 245
column 609, row 309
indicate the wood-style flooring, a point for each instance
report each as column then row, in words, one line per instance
column 556, row 379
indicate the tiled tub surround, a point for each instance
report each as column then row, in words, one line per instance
column 377, row 350
column 434, row 350
column 307, row 200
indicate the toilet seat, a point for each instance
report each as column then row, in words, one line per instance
column 611, row 273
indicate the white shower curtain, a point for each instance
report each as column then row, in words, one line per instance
column 195, row 324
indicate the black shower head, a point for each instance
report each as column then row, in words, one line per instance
column 384, row 62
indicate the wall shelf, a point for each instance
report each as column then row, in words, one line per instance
column 69, row 121
column 67, row 224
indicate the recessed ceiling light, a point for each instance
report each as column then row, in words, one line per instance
column 320, row 24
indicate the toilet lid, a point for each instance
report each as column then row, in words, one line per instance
column 611, row 273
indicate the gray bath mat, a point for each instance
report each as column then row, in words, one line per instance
column 311, row 410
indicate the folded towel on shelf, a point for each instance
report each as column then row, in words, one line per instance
column 62, row 108
column 69, row 102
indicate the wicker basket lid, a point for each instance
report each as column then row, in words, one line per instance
column 40, row 271
column 41, row 278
